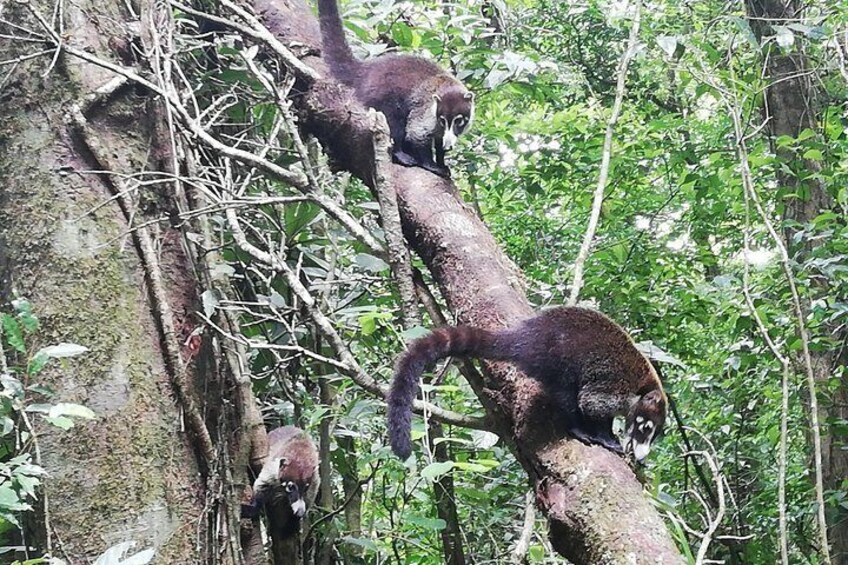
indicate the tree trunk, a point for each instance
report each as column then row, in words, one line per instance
column 70, row 242
column 132, row 473
column 594, row 504
column 790, row 109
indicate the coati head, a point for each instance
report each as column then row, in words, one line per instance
column 294, row 495
column 295, row 479
column 454, row 111
column 644, row 423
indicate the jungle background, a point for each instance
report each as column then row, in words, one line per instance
column 721, row 246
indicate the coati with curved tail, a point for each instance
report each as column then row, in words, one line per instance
column 587, row 361
column 425, row 106
column 289, row 478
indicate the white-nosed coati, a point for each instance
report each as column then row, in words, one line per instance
column 288, row 477
column 585, row 360
column 425, row 106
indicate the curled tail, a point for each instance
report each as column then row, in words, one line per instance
column 336, row 52
column 460, row 341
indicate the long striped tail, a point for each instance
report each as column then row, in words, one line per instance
column 336, row 50
column 459, row 341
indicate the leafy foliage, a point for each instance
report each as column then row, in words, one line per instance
column 669, row 262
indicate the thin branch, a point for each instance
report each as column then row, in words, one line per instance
column 748, row 185
column 522, row 546
column 353, row 370
column 165, row 319
column 295, row 179
column 606, row 156
column 387, row 197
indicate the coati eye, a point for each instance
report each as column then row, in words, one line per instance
column 443, row 120
column 289, row 486
column 459, row 120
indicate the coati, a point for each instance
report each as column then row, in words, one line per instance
column 288, row 477
column 425, row 106
column 585, row 360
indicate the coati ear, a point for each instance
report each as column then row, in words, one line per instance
column 437, row 98
column 469, row 95
column 654, row 398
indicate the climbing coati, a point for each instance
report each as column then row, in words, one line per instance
column 289, row 478
column 584, row 360
column 425, row 106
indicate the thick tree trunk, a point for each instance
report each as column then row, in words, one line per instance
column 790, row 109
column 69, row 242
column 594, row 503
column 132, row 473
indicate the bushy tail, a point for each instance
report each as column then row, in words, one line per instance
column 336, row 51
column 460, row 341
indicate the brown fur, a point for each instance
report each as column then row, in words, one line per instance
column 588, row 364
column 421, row 100
column 289, row 475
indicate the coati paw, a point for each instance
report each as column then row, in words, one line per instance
column 404, row 158
column 608, row 443
column 440, row 170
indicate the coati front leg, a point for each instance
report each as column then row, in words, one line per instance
column 421, row 129
column 597, row 409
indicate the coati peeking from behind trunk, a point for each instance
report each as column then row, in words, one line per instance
column 288, row 478
column 426, row 107
column 583, row 359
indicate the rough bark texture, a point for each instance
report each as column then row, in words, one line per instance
column 594, row 503
column 131, row 474
column 791, row 108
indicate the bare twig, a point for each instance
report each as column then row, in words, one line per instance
column 165, row 317
column 606, row 156
column 751, row 193
column 398, row 253
column 348, row 365
column 522, row 546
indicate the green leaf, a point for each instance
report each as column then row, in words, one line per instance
column 12, row 331
column 63, row 350
column 813, row 155
column 425, row 522
column 73, row 410
column 436, row 470
column 37, row 363
column 362, row 542
column 402, row 34
column 370, row 263
column 60, row 422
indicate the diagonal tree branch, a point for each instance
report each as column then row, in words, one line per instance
column 594, row 504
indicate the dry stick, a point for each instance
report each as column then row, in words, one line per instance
column 522, row 546
column 748, row 185
column 349, row 366
column 784, row 387
column 173, row 357
column 715, row 522
column 603, row 176
column 387, row 197
column 258, row 32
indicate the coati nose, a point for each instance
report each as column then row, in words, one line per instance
column 641, row 450
column 299, row 508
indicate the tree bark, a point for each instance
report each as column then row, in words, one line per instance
column 77, row 244
column 594, row 504
column 790, row 109
column 132, row 473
